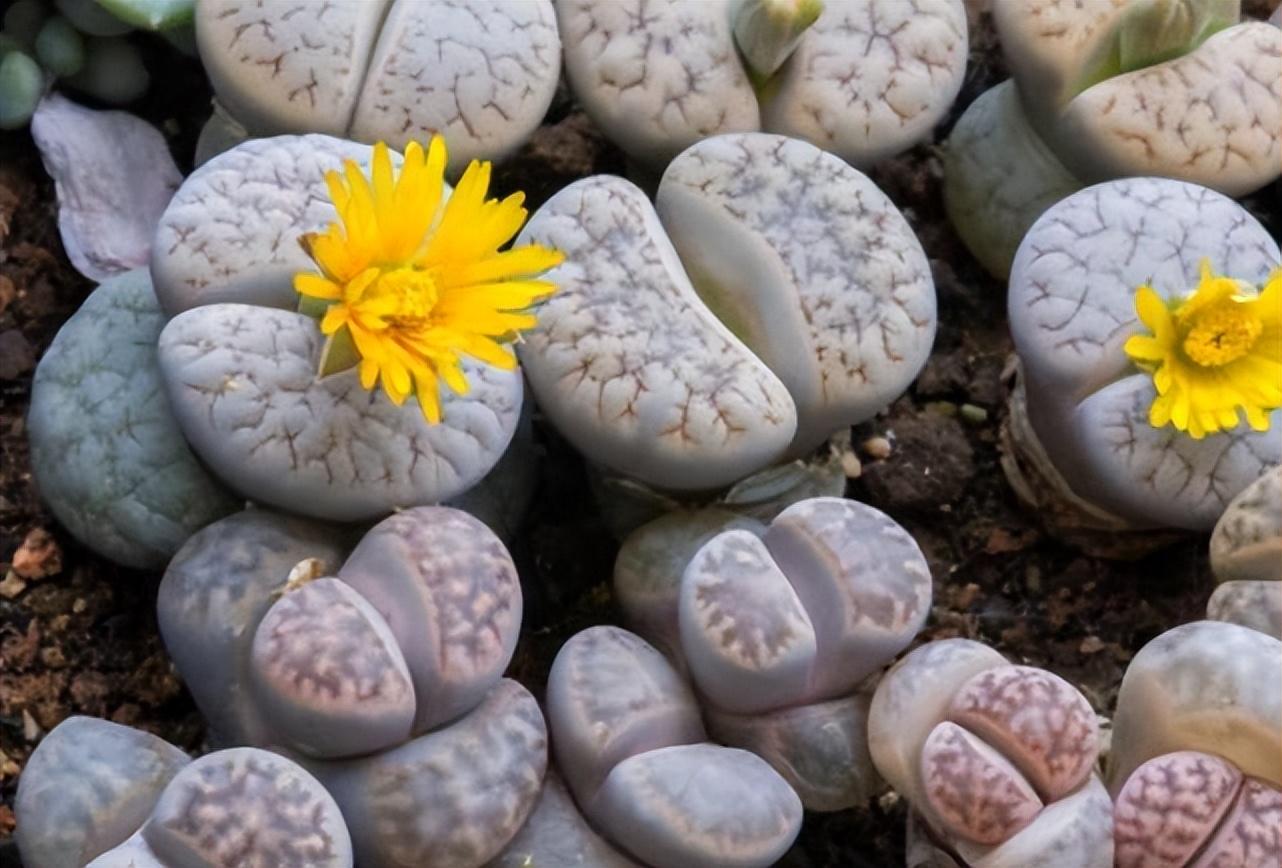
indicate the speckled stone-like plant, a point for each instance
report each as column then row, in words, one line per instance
column 628, row 737
column 381, row 671
column 241, row 372
column 771, row 296
column 864, row 79
column 779, row 627
column 1110, row 89
column 106, row 453
column 1080, row 426
column 1246, row 557
column 997, row 759
column 1196, row 761
column 112, row 797
column 481, row 74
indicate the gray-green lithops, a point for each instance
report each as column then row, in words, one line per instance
column 1072, row 307
column 996, row 758
column 628, row 737
column 379, row 669
column 1171, row 88
column 480, row 74
column 865, row 79
column 771, row 296
column 1246, row 557
column 107, row 455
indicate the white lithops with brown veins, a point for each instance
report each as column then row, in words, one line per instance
column 243, row 385
column 1246, row 557
column 230, row 234
column 248, row 807
column 1206, row 686
column 87, row 787
column 997, row 758
column 870, row 78
column 481, row 74
column 449, row 592
column 628, row 735
column 1072, row 308
column 790, row 251
column 451, row 798
column 630, row 364
column 1212, row 116
column 826, row 283
column 329, row 674
column 1195, row 809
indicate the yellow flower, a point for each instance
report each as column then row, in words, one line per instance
column 411, row 281
column 1212, row 353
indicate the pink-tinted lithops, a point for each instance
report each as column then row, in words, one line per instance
column 997, row 759
column 779, row 625
column 1208, row 686
column 557, row 833
column 628, row 735
column 101, row 794
column 1196, row 809
column 393, row 655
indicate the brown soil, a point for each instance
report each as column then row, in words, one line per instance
column 83, row 640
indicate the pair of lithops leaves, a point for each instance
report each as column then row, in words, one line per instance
column 240, row 366
column 770, row 296
column 1246, row 558
column 480, row 74
column 865, row 80
column 1080, row 415
column 996, row 759
column 1196, row 760
column 1110, row 89
column 780, row 628
column 99, row 794
column 379, row 670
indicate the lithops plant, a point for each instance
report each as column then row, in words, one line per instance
column 1196, row 760
column 628, row 737
column 241, row 365
column 108, row 796
column 864, row 79
column 106, row 453
column 1246, row 558
column 481, row 74
column 780, row 626
column 771, row 296
column 1113, row 427
column 1171, row 88
column 997, row 759
column 381, row 672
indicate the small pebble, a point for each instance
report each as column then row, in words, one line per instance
column 30, row 729
column 12, row 586
column 1091, row 645
column 973, row 414
column 851, row 465
column 878, row 448
column 38, row 556
column 942, row 408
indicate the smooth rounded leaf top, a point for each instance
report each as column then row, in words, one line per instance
column 1247, row 542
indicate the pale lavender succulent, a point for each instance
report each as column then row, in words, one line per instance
column 779, row 627
column 628, row 736
column 997, row 759
column 380, row 670
column 98, row 793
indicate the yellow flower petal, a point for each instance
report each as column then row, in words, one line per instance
column 421, row 280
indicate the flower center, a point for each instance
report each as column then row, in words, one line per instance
column 1222, row 334
column 413, row 294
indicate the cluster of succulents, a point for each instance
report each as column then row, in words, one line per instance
column 83, row 44
column 337, row 593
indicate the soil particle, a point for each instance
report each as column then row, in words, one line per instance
column 930, row 466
